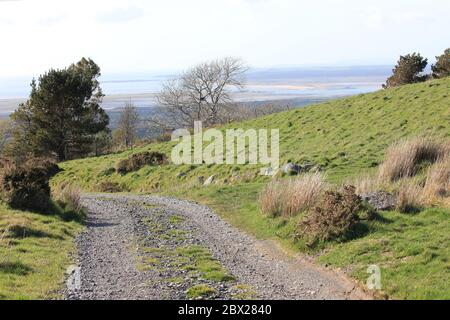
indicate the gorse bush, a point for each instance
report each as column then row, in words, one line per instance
column 405, row 158
column 292, row 196
column 47, row 165
column 333, row 216
column 26, row 186
column 139, row 160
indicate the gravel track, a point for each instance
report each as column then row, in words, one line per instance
column 125, row 233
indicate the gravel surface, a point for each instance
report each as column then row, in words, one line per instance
column 152, row 247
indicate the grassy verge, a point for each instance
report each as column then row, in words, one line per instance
column 34, row 254
column 411, row 250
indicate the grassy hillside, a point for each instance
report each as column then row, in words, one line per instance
column 34, row 254
column 346, row 138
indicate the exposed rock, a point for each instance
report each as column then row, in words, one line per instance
column 210, row 180
column 268, row 172
column 235, row 178
column 181, row 175
column 380, row 200
column 291, row 169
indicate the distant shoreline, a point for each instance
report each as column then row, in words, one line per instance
column 300, row 85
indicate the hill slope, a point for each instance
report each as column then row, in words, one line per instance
column 346, row 138
column 343, row 136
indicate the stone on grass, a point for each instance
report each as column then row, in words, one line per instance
column 381, row 201
column 210, row 180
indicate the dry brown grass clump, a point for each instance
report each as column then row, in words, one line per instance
column 404, row 159
column 292, row 196
column 139, row 160
column 333, row 216
column 365, row 184
column 409, row 197
column 271, row 198
column 69, row 195
column 111, row 187
column 437, row 185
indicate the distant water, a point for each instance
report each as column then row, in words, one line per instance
column 274, row 84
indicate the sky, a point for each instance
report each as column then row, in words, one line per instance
column 165, row 35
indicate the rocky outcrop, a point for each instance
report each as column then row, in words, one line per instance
column 291, row 169
column 380, row 200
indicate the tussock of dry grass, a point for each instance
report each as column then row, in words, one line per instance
column 409, row 196
column 437, row 186
column 292, row 196
column 403, row 159
column 406, row 160
column 69, row 195
column 365, row 184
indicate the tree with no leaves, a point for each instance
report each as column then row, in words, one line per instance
column 127, row 127
column 442, row 67
column 408, row 70
column 201, row 94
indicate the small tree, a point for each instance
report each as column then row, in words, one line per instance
column 20, row 147
column 408, row 70
column 5, row 134
column 442, row 67
column 102, row 143
column 62, row 114
column 127, row 126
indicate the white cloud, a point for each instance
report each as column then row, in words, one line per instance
column 118, row 15
column 140, row 35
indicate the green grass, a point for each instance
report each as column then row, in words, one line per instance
column 347, row 137
column 34, row 254
column 243, row 292
column 412, row 251
column 201, row 261
column 200, row 291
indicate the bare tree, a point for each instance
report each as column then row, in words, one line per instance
column 127, row 126
column 201, row 94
